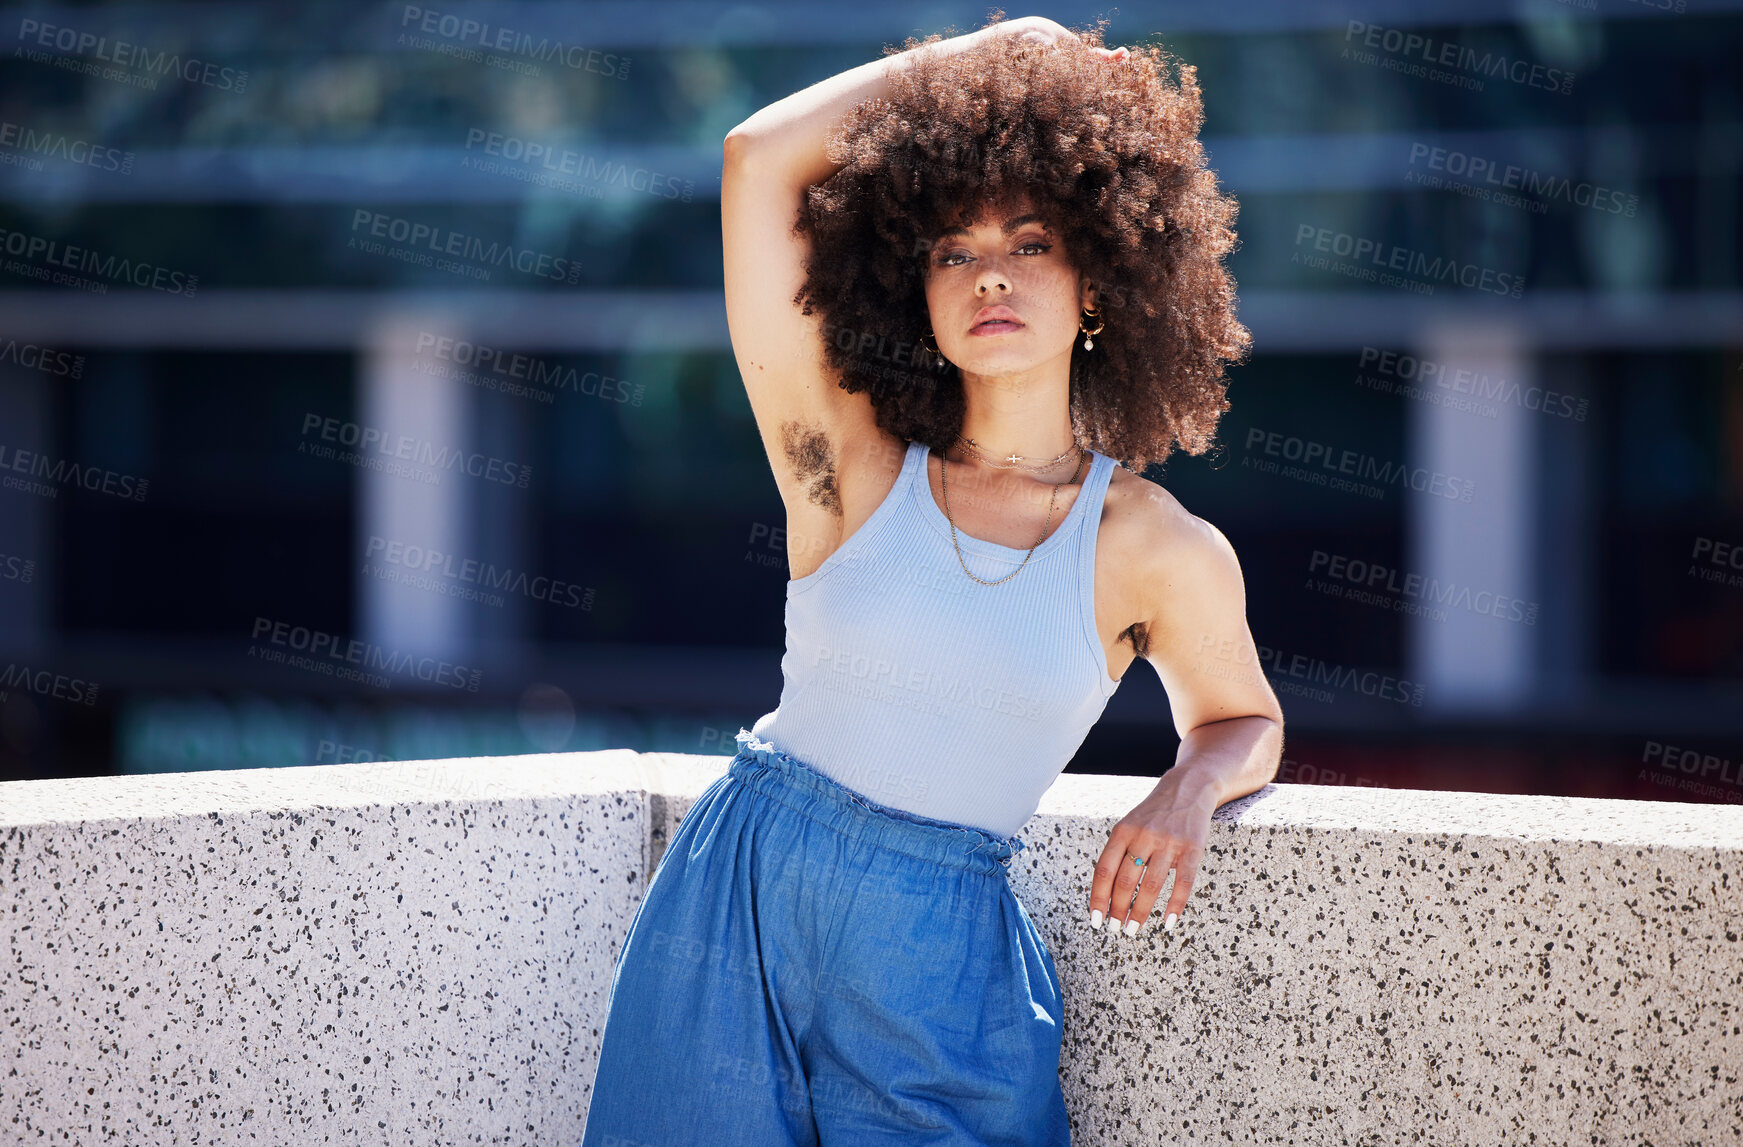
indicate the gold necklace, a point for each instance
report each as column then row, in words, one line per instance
column 1013, row 461
column 944, row 483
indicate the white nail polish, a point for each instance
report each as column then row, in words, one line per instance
column 1113, row 924
column 1168, row 924
column 1095, row 918
column 1132, row 927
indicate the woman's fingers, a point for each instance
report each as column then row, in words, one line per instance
column 1129, row 880
column 1041, row 30
column 1037, row 29
column 1155, row 875
column 1185, row 866
column 1101, row 889
column 1118, row 880
column 1125, row 893
column 1185, row 873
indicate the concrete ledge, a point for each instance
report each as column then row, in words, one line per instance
column 423, row 951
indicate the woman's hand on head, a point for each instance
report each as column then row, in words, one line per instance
column 1041, row 30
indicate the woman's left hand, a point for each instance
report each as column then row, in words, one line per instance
column 1165, row 831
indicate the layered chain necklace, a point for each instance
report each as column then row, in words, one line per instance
column 1014, row 461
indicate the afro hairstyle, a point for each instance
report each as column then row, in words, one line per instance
column 1107, row 151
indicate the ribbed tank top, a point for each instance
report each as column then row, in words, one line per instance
column 924, row 690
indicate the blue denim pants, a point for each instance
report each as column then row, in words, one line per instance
column 811, row 967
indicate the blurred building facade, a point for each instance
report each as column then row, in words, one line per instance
column 365, row 389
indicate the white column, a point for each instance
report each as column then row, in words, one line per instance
column 1472, row 660
column 394, row 399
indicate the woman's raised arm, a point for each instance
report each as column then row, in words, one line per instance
column 809, row 425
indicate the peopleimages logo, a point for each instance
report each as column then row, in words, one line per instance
column 1399, row 372
column 46, row 684
column 72, row 42
column 27, row 140
column 1477, row 169
column 1300, row 674
column 1391, row 257
column 474, row 573
column 14, row 568
column 465, row 31
column 1714, row 562
column 1314, row 457
column 338, row 657
column 1433, row 54
column 520, row 156
column 404, row 447
column 914, row 687
column 1671, row 759
column 511, row 372
column 1402, row 591
column 30, row 356
column 53, row 253
column 65, row 473
column 412, row 237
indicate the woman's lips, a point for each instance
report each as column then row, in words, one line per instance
column 996, row 327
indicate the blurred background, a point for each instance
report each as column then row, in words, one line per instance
column 365, row 388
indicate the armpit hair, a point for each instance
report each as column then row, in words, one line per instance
column 812, row 456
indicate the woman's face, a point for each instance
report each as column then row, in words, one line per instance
column 1008, row 258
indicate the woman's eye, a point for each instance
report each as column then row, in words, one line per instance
column 945, row 260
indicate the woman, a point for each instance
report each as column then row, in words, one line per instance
column 1010, row 249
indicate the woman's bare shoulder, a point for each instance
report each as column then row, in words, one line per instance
column 1141, row 515
column 1164, row 551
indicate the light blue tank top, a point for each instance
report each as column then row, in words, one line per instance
column 918, row 687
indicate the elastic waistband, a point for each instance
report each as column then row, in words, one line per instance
column 787, row 779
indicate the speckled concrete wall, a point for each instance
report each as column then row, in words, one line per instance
column 421, row 952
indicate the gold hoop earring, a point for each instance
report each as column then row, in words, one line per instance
column 1088, row 342
column 938, row 361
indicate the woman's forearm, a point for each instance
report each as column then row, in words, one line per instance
column 1225, row 760
column 789, row 134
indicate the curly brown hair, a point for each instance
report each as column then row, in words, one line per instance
column 1108, row 154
